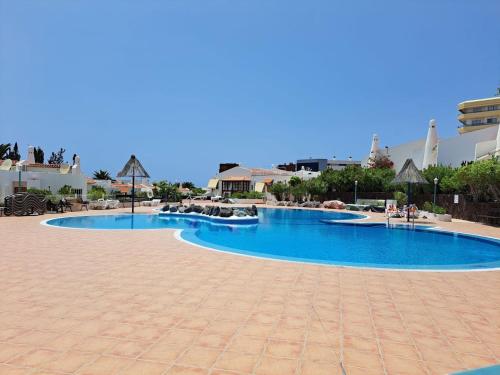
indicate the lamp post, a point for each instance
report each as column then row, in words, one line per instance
column 355, row 191
column 435, row 189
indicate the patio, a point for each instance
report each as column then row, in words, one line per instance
column 141, row 302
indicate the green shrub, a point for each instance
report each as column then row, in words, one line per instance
column 44, row 192
column 65, row 190
column 482, row 178
column 430, row 207
column 97, row 192
column 280, row 190
column 439, row 210
column 401, row 198
column 248, row 195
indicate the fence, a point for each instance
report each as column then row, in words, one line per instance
column 465, row 209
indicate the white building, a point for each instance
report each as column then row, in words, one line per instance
column 477, row 145
column 40, row 176
column 242, row 179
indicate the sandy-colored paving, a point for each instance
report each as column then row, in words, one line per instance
column 141, row 302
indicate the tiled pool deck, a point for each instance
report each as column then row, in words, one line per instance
column 141, row 302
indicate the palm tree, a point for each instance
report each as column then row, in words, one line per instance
column 4, row 150
column 102, row 175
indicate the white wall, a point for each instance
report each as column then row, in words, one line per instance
column 41, row 180
column 451, row 151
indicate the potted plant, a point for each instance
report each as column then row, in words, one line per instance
column 428, row 210
column 441, row 214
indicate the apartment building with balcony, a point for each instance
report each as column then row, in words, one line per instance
column 479, row 114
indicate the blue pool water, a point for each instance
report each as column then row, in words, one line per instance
column 318, row 237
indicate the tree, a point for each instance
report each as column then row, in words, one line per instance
column 380, row 161
column 57, row 157
column 102, row 175
column 280, row 190
column 482, row 179
column 14, row 153
column 294, row 181
column 298, row 192
column 4, row 150
column 447, row 182
column 188, row 185
column 315, row 188
column 168, row 190
column 39, row 155
column 65, row 190
column 97, row 192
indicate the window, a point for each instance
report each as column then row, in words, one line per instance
column 492, row 107
column 233, row 186
column 476, row 122
column 491, row 120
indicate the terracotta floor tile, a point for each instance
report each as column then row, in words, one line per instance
column 362, row 359
column 142, row 333
column 475, row 361
column 95, row 344
column 256, row 329
column 181, row 370
column 247, row 344
column 118, row 290
column 34, row 338
column 70, row 361
column 144, row 368
column 106, row 366
column 287, row 349
column 470, row 347
column 198, row 356
column 353, row 370
column 131, row 349
column 392, row 348
column 320, row 353
column 435, row 368
column 34, row 358
column 212, row 341
column 276, row 366
column 403, row 366
column 9, row 351
column 239, row 362
column 9, row 370
column 162, row 352
column 439, row 355
column 361, row 343
column 315, row 368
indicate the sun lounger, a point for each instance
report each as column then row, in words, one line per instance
column 100, row 204
column 112, row 203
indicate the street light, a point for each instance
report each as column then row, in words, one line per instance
column 355, row 191
column 435, row 189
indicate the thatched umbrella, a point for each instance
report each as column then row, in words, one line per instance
column 133, row 169
column 409, row 174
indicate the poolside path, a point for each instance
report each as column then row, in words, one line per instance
column 141, row 302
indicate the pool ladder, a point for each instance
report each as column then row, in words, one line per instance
column 389, row 222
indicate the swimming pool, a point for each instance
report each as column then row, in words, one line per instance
column 318, row 237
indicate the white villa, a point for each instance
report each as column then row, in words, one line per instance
column 471, row 146
column 25, row 174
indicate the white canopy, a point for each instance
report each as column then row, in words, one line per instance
column 431, row 146
column 374, row 150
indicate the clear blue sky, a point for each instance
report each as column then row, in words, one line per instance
column 188, row 84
